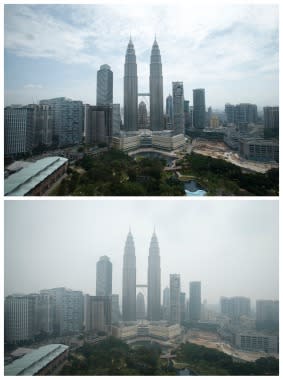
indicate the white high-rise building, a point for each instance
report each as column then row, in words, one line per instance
column 18, row 130
column 20, row 318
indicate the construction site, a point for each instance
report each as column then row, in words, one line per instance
column 213, row 340
column 220, row 150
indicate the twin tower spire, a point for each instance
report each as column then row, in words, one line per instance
column 131, row 89
column 153, row 281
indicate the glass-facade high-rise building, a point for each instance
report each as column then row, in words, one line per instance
column 129, row 280
column 104, row 277
column 169, row 111
column 195, row 301
column 68, row 120
column 104, row 86
column 140, row 306
column 130, row 89
column 178, row 108
column 199, row 108
column 156, row 89
column 175, row 289
column 18, row 127
column 154, row 281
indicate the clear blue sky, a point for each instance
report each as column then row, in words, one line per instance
column 56, row 50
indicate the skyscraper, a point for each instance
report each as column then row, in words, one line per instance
column 142, row 119
column 195, row 301
column 104, row 277
column 156, row 89
column 140, row 306
column 271, row 121
column 98, row 313
column 154, row 280
column 178, row 108
column 104, row 86
column 235, row 307
column 267, row 314
column 129, row 280
column 169, row 110
column 199, row 108
column 166, row 304
column 175, row 286
column 130, row 89
column 20, row 318
column 68, row 120
column 182, row 306
column 18, row 127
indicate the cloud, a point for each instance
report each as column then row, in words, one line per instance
column 33, row 86
column 200, row 47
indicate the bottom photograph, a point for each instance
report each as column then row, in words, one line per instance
column 141, row 287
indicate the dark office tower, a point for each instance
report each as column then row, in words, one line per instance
column 175, row 285
column 156, row 89
column 140, row 306
column 182, row 306
column 104, row 86
column 130, row 90
column 230, row 113
column 187, row 115
column 104, row 277
column 267, row 314
column 178, row 107
column 199, row 108
column 142, row 119
column 195, row 301
column 169, row 110
column 271, row 121
column 129, row 280
column 116, row 315
column 166, row 304
column 154, row 280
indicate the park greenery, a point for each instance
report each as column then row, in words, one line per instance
column 208, row 361
column 219, row 177
column 114, row 173
column 114, row 357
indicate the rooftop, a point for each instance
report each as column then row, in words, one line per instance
column 34, row 361
column 28, row 178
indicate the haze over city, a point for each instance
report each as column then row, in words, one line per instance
column 231, row 247
column 56, row 50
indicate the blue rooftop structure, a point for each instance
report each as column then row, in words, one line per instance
column 22, row 182
column 33, row 362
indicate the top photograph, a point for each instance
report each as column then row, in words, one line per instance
column 141, row 100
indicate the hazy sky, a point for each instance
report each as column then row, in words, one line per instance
column 231, row 246
column 56, row 50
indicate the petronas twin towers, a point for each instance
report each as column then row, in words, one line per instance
column 129, row 281
column 131, row 89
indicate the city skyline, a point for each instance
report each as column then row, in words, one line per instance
column 233, row 54
column 62, row 239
